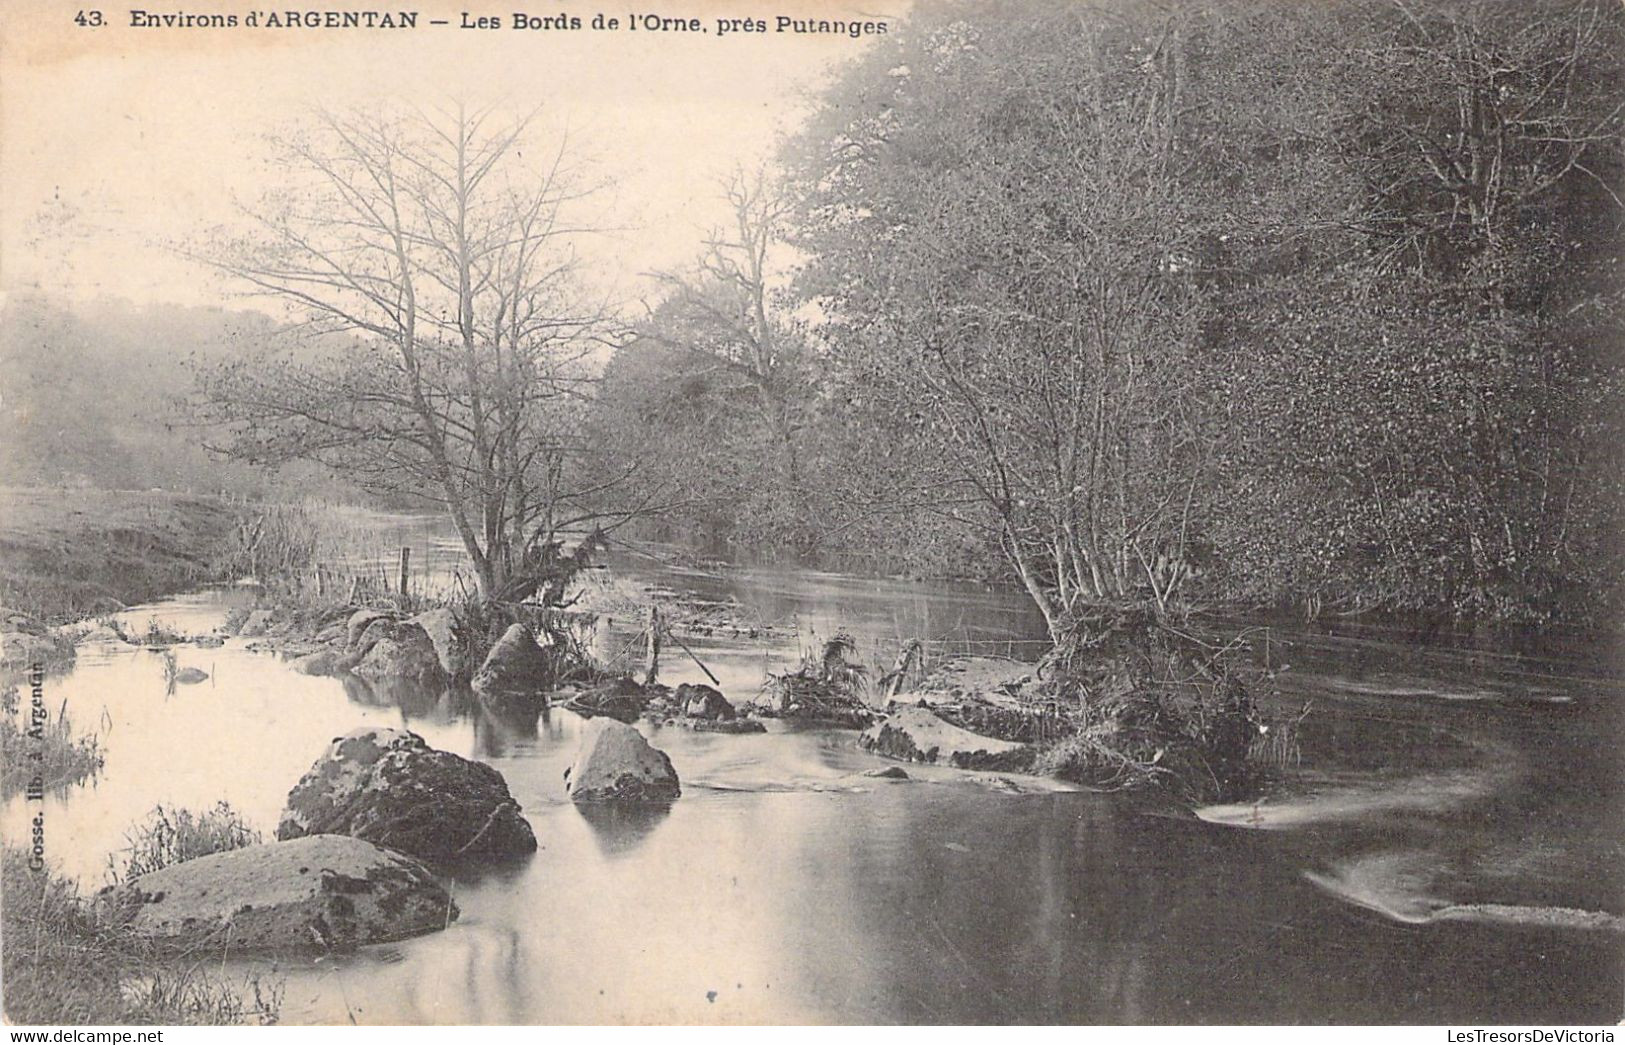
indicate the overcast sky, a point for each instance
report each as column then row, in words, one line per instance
column 117, row 140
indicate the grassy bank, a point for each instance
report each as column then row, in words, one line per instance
column 53, row 751
column 66, row 963
column 71, row 553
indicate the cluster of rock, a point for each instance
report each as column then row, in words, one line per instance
column 379, row 808
column 703, row 709
column 915, row 734
column 518, row 673
column 690, row 706
column 432, row 649
column 969, row 713
column 378, row 644
column 358, row 836
column 350, row 866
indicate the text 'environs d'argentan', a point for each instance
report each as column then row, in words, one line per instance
column 269, row 19
column 371, row 19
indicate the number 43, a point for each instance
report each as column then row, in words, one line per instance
column 88, row 19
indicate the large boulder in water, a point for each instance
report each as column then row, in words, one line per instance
column 615, row 763
column 327, row 892
column 703, row 702
column 398, row 650
column 916, row 735
column 322, row 662
column 444, row 634
column 389, row 787
column 516, row 664
column 621, row 699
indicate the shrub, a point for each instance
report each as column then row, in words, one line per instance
column 827, row 687
column 64, row 757
column 171, row 836
column 153, row 633
column 1155, row 702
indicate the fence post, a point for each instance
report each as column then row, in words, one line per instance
column 406, row 559
column 651, row 662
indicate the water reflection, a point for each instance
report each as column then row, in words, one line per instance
column 620, row 827
column 774, row 892
column 412, row 697
column 495, row 874
column 517, row 712
column 499, row 732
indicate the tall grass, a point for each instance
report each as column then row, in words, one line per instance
column 59, row 756
column 829, row 685
column 170, row 836
column 338, row 552
column 153, row 633
column 1277, row 745
column 68, row 554
column 63, row 965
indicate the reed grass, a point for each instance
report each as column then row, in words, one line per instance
column 828, row 685
column 153, row 633
column 170, row 836
column 323, row 550
column 65, row 965
column 58, row 756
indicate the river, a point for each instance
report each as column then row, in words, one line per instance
column 1448, row 850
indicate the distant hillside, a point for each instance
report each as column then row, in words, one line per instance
column 89, row 396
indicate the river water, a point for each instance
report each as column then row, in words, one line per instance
column 1448, row 850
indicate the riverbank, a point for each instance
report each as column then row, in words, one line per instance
column 785, row 836
column 64, row 964
column 66, row 554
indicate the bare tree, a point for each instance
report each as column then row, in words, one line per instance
column 723, row 316
column 439, row 248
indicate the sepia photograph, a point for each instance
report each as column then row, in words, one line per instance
column 906, row 513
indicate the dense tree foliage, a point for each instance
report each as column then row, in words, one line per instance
column 1238, row 299
column 715, row 385
column 1002, row 240
column 1423, row 399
